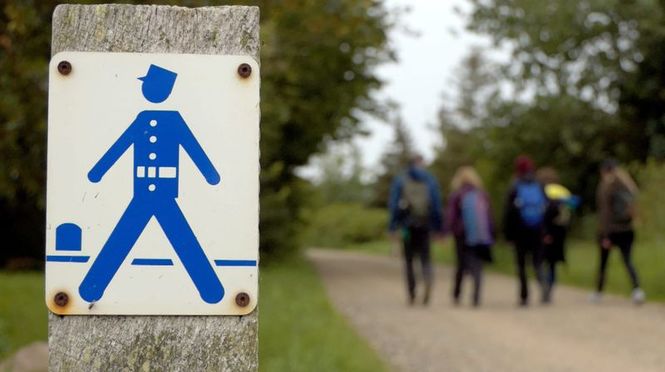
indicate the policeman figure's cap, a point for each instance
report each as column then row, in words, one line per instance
column 158, row 83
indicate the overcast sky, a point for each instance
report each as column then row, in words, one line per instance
column 423, row 72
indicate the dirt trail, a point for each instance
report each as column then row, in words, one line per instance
column 570, row 335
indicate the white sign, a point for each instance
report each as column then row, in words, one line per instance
column 153, row 184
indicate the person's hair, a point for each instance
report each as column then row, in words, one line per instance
column 612, row 170
column 547, row 175
column 466, row 175
column 624, row 177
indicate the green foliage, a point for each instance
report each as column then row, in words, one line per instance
column 318, row 59
column 339, row 225
column 342, row 176
column 651, row 214
column 317, row 75
column 300, row 331
column 578, row 91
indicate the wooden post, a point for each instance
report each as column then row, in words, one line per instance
column 155, row 343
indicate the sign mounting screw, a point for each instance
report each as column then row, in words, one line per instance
column 244, row 70
column 61, row 299
column 242, row 299
column 64, row 67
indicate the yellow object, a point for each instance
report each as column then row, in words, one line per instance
column 557, row 192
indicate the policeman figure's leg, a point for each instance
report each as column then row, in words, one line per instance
column 189, row 251
column 114, row 252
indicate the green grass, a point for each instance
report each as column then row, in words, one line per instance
column 300, row 331
column 580, row 270
column 23, row 316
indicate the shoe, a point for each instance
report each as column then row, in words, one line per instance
column 638, row 296
column 411, row 299
column 523, row 303
column 595, row 297
column 428, row 290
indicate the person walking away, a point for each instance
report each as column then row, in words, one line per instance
column 561, row 206
column 523, row 223
column 616, row 195
column 415, row 211
column 468, row 218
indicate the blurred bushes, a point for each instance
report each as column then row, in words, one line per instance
column 338, row 225
column 650, row 222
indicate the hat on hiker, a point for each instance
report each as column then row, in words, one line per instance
column 524, row 165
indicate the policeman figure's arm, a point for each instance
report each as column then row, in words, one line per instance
column 112, row 155
column 195, row 151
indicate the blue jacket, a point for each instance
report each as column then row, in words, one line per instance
column 420, row 175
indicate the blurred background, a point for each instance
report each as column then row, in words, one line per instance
column 350, row 89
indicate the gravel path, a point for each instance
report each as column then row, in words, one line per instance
column 570, row 335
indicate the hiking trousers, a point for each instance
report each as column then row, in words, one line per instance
column 529, row 243
column 623, row 240
column 417, row 244
column 468, row 262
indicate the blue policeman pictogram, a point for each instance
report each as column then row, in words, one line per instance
column 157, row 137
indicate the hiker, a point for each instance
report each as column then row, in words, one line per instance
column 523, row 223
column 469, row 219
column 561, row 205
column 615, row 198
column 415, row 210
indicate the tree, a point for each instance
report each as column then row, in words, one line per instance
column 317, row 76
column 393, row 161
column 587, row 51
column 342, row 176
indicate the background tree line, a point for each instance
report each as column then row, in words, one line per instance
column 317, row 64
column 583, row 81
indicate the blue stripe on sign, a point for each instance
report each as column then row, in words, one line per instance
column 152, row 262
column 235, row 262
column 51, row 258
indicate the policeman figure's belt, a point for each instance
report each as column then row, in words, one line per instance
column 156, row 172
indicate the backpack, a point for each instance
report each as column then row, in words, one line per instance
column 531, row 203
column 415, row 203
column 622, row 204
column 475, row 216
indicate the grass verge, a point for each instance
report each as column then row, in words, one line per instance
column 299, row 330
column 22, row 310
column 581, row 267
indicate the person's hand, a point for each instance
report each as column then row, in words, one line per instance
column 548, row 239
column 394, row 236
column 606, row 243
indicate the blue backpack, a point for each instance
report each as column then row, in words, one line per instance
column 531, row 203
column 475, row 216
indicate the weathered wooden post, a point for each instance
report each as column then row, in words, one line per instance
column 155, row 342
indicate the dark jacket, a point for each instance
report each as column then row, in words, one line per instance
column 419, row 175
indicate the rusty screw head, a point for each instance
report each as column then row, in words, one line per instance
column 64, row 67
column 61, row 299
column 244, row 70
column 242, row 299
